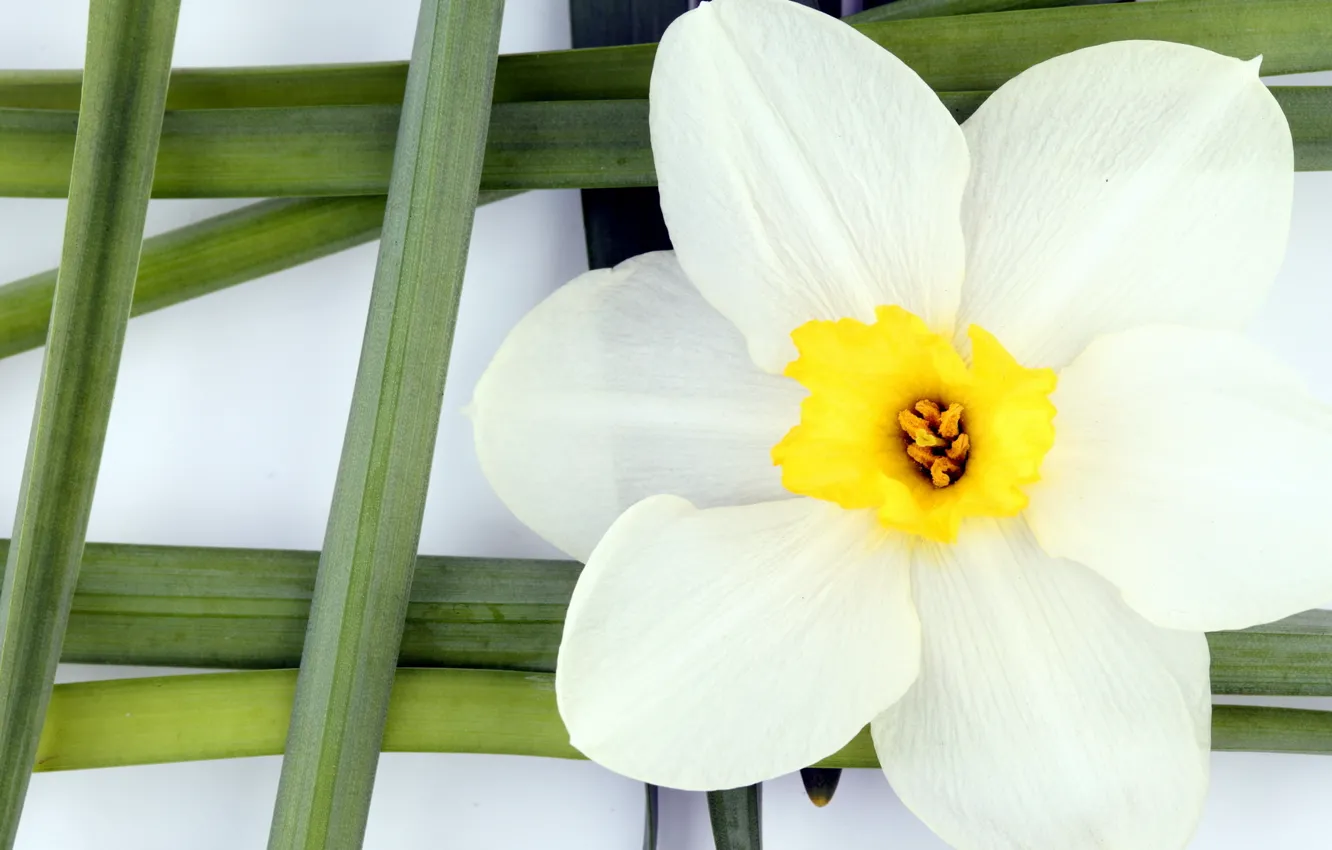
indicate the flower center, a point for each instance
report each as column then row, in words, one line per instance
column 935, row 440
column 898, row 422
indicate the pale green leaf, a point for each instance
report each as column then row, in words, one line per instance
column 232, row 715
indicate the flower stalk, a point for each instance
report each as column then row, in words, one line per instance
column 232, row 715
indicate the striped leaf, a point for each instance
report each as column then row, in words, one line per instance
column 128, row 61
column 365, row 571
column 347, row 150
column 247, row 608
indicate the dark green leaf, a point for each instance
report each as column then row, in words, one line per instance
column 901, row 10
column 737, row 818
column 620, row 223
column 1291, row 656
column 192, row 607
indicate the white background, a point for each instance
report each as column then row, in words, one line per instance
column 226, row 430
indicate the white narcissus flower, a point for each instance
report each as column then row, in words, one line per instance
column 1024, row 459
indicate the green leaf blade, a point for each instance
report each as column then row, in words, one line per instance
column 984, row 51
column 211, row 255
column 976, row 52
column 1309, row 112
column 247, row 608
column 348, row 150
column 128, row 59
column 1291, row 657
column 339, row 150
column 365, row 572
column 208, row 256
column 228, row 88
column 1260, row 728
column 959, row 53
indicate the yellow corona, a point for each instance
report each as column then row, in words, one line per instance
column 897, row 421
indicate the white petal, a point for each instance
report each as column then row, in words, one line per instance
column 719, row 648
column 1121, row 185
column 1190, row 468
column 805, row 172
column 1047, row 713
column 626, row 384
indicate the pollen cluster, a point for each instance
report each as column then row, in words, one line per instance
column 935, row 440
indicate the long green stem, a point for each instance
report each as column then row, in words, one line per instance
column 972, row 52
column 229, row 715
column 210, row 255
column 365, row 572
column 128, row 61
column 247, row 608
column 347, row 150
